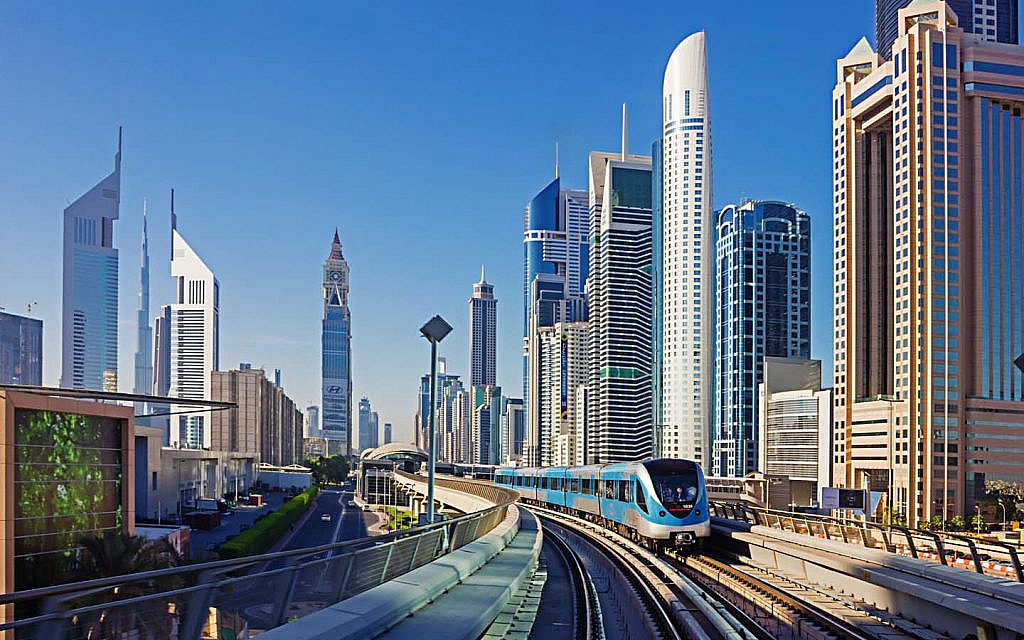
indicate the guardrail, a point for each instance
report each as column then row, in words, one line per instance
column 243, row 594
column 943, row 547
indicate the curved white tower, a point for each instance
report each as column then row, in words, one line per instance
column 687, row 255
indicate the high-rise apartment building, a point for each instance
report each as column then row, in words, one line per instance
column 265, row 422
column 562, row 356
column 763, row 300
column 619, row 301
column 194, row 339
column 144, row 342
column 683, row 277
column 483, row 334
column 336, row 351
column 444, row 381
column 993, row 20
column 485, row 441
column 90, row 286
column 365, row 424
column 556, row 262
column 929, row 271
column 514, row 427
column 452, row 418
column 21, row 350
column 312, row 421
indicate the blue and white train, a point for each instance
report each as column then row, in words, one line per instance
column 660, row 503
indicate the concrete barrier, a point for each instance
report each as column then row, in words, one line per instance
column 373, row 612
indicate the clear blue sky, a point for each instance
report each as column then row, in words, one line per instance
column 420, row 130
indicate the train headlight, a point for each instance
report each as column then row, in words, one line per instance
column 661, row 513
column 698, row 512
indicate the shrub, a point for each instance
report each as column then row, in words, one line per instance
column 269, row 528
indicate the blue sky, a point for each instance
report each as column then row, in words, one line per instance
column 420, row 130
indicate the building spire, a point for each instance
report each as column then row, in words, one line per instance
column 482, row 278
column 625, row 132
column 117, row 156
column 174, row 217
column 556, row 158
column 336, row 247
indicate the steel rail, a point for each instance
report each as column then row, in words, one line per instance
column 586, row 622
column 661, row 618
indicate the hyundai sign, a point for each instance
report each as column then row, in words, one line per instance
column 833, row 498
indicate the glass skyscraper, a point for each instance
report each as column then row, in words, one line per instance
column 336, row 349
column 21, row 350
column 994, row 20
column 763, row 299
column 929, row 265
column 89, row 306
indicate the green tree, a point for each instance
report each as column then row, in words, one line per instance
column 957, row 523
column 936, row 523
column 115, row 554
column 977, row 522
column 329, row 470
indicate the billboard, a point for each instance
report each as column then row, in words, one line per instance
column 835, row 498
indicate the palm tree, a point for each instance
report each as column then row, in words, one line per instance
column 116, row 554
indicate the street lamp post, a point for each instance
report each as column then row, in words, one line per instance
column 434, row 331
column 1003, row 507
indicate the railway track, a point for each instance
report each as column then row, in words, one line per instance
column 676, row 608
column 587, row 623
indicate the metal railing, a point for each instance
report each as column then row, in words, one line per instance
column 239, row 595
column 987, row 558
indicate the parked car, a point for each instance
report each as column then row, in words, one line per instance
column 325, row 517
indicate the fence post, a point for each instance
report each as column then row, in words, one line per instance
column 284, row 597
column 387, row 561
column 198, row 603
column 415, row 553
column 344, row 580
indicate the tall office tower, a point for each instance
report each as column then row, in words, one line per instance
column 444, row 379
column 563, row 357
column 89, row 306
column 483, row 333
column 485, row 441
column 387, row 433
column 194, row 339
column 462, row 425
column 763, row 300
column 555, row 267
column 514, row 426
column 144, row 345
column 21, row 350
column 365, row 437
column 684, row 270
column 450, row 441
column 312, row 421
column 928, row 232
column 374, row 430
column 162, row 372
column 993, row 20
column 619, row 300
column 336, row 351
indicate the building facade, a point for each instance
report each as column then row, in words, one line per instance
column 365, row 424
column 763, row 308
column 483, row 334
column 563, row 368
column 21, row 350
column 266, row 421
column 619, row 301
column 993, row 20
column 556, row 263
column 514, row 427
column 485, row 439
column 795, row 417
column 928, row 264
column 90, row 286
column 444, row 381
column 684, row 274
column 336, row 351
column 194, row 335
column 312, row 429
column 387, row 433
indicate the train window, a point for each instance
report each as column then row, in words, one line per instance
column 622, row 490
column 629, row 490
column 640, row 500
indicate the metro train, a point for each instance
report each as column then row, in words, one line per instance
column 660, row 503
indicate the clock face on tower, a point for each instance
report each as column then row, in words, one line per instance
column 335, row 276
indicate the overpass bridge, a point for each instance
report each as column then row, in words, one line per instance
column 506, row 570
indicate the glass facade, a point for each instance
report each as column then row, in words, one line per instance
column 21, row 350
column 994, row 20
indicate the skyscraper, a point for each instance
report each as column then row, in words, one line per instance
column 763, row 299
column 619, row 300
column 514, row 426
column 684, row 273
column 89, row 305
column 447, row 385
column 556, row 254
column 312, row 421
column 929, row 271
column 336, row 347
column 387, row 433
column 365, row 424
column 993, row 20
column 374, row 430
column 563, row 356
column 21, row 350
column 194, row 339
column 144, row 343
column 486, row 444
column 483, row 334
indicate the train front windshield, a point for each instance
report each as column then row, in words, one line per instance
column 676, row 484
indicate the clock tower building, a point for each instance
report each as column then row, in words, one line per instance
column 336, row 342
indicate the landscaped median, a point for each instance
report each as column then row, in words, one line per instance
column 268, row 530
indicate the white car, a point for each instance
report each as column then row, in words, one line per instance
column 325, row 517
column 350, row 503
